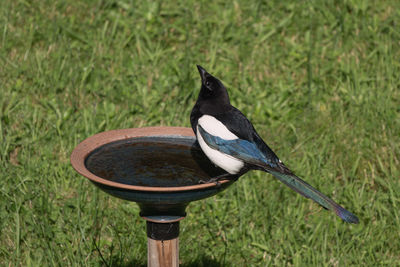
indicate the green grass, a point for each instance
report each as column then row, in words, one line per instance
column 319, row 80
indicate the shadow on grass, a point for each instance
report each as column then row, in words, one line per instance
column 131, row 263
column 199, row 262
column 202, row 261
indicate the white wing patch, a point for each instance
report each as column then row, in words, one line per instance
column 214, row 127
column 222, row 160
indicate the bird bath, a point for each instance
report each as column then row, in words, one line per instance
column 161, row 169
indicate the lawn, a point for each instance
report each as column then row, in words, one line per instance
column 319, row 80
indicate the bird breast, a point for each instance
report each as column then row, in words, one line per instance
column 214, row 127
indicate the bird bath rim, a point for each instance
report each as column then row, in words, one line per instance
column 83, row 149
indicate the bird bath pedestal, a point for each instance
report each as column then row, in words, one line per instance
column 161, row 169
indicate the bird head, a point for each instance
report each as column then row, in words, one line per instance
column 211, row 87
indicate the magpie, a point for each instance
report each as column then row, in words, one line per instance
column 230, row 141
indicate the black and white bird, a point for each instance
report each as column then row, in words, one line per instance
column 230, row 141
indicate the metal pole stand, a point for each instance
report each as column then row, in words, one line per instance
column 162, row 244
column 163, row 234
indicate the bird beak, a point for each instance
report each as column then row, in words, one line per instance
column 202, row 72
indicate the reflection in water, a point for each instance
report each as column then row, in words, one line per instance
column 152, row 161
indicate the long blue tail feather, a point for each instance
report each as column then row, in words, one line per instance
column 251, row 154
column 308, row 191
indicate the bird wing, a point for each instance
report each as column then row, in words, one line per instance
column 251, row 154
column 237, row 148
column 238, row 124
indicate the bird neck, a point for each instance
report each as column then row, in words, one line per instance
column 213, row 106
column 217, row 97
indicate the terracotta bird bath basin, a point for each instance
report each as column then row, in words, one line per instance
column 162, row 169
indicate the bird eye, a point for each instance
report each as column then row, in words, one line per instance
column 208, row 84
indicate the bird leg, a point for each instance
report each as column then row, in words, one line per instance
column 219, row 178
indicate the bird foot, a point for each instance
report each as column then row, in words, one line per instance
column 212, row 180
column 217, row 179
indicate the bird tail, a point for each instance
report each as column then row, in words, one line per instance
column 308, row 191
